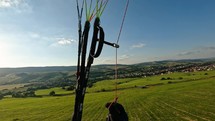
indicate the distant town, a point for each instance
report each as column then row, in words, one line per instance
column 168, row 67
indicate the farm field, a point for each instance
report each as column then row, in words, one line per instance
column 11, row 86
column 169, row 97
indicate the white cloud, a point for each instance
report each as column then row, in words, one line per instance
column 10, row 3
column 18, row 6
column 124, row 57
column 139, row 45
column 104, row 60
column 211, row 48
column 6, row 3
column 186, row 53
column 197, row 51
column 63, row 42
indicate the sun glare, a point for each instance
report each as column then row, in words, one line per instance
column 4, row 54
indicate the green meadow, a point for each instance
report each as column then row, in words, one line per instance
column 169, row 97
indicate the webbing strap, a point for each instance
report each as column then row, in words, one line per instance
column 85, row 70
column 116, row 57
column 80, row 90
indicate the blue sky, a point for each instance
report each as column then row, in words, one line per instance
column 44, row 32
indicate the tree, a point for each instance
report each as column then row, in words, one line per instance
column 163, row 78
column 70, row 88
column 29, row 94
column 18, row 95
column 180, row 78
column 90, row 85
column 52, row 93
column 168, row 78
column 1, row 96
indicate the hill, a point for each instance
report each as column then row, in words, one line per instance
column 55, row 75
column 180, row 97
column 36, row 69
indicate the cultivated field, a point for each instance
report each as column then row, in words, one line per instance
column 11, row 86
column 170, row 97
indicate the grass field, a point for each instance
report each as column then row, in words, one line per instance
column 191, row 98
column 58, row 90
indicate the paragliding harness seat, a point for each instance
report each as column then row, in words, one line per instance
column 116, row 112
